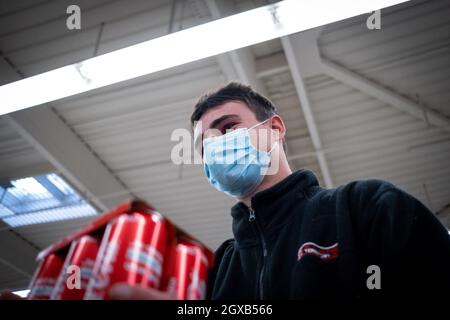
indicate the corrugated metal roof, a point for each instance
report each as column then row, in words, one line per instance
column 281, row 90
column 365, row 138
column 36, row 39
column 410, row 54
column 411, row 57
column 267, row 48
column 17, row 155
column 11, row 278
column 43, row 235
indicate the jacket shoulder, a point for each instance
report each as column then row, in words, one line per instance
column 357, row 195
column 368, row 187
column 364, row 193
column 225, row 248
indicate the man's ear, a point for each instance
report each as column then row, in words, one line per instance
column 277, row 124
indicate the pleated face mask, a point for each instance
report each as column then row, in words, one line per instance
column 232, row 164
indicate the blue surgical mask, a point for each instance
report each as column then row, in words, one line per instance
column 232, row 164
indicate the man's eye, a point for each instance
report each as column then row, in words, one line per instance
column 226, row 127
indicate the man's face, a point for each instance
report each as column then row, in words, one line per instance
column 225, row 118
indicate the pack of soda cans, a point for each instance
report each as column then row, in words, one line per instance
column 131, row 244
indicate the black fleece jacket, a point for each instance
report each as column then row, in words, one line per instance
column 367, row 239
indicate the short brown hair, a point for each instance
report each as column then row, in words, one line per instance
column 262, row 107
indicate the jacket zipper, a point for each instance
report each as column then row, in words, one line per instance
column 252, row 218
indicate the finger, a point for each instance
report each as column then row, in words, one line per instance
column 124, row 291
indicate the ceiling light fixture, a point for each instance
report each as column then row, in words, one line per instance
column 206, row 40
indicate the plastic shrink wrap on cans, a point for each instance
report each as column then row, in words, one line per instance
column 131, row 244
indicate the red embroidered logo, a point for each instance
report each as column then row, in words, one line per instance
column 324, row 253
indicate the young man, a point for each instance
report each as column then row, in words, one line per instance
column 296, row 240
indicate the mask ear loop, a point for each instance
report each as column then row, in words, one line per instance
column 273, row 146
column 258, row 124
column 276, row 143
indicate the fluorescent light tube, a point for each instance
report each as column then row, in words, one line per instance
column 206, row 40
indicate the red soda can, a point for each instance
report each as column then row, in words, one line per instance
column 132, row 251
column 45, row 277
column 77, row 269
column 190, row 270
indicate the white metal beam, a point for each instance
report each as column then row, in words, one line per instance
column 296, row 62
column 238, row 64
column 385, row 95
column 11, row 172
column 271, row 65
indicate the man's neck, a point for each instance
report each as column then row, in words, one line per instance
column 269, row 181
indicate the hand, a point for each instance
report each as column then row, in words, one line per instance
column 123, row 291
column 8, row 295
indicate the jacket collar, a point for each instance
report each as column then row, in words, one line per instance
column 272, row 206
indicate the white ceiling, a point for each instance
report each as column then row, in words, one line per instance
column 127, row 126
